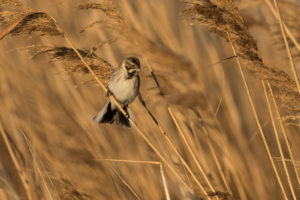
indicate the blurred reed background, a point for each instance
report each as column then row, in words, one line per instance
column 217, row 118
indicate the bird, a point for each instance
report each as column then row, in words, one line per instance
column 124, row 85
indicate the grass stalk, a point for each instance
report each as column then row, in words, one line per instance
column 170, row 142
column 257, row 120
column 15, row 168
column 216, row 160
column 164, row 180
column 284, row 134
column 287, row 46
column 278, row 142
column 174, row 149
column 126, row 184
column 163, row 177
column 288, row 32
column 39, row 163
column 191, row 151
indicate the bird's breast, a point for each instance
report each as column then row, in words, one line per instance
column 124, row 90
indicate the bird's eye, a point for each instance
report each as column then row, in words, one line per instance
column 133, row 61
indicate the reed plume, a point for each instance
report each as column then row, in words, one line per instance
column 223, row 18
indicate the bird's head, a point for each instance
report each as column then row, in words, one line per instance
column 131, row 65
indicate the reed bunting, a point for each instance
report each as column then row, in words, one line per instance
column 124, row 85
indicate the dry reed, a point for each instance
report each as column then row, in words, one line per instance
column 212, row 152
column 221, row 17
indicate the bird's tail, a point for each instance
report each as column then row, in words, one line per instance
column 109, row 115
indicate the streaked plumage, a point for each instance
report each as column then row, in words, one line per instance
column 124, row 85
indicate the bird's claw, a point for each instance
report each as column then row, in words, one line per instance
column 108, row 93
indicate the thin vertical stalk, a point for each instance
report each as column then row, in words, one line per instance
column 15, row 166
column 216, row 160
column 190, row 150
column 287, row 46
column 186, row 166
column 278, row 142
column 126, row 184
column 284, row 134
column 163, row 177
column 288, row 32
column 39, row 163
column 211, row 148
column 173, row 146
column 168, row 139
column 257, row 120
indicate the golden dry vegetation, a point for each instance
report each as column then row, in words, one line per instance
column 218, row 113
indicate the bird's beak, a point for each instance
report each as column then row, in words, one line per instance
column 134, row 71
